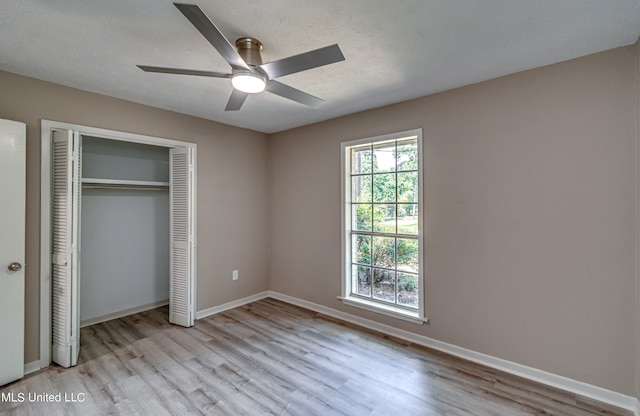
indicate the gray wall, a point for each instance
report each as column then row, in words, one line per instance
column 530, row 192
column 125, row 251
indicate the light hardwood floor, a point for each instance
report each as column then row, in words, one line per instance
column 270, row 357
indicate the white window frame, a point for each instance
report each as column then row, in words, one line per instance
column 415, row 316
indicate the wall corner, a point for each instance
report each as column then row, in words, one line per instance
column 637, row 223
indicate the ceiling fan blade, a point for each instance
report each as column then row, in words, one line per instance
column 312, row 59
column 236, row 100
column 294, row 94
column 200, row 20
column 180, row 71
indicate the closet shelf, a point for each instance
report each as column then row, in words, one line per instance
column 122, row 183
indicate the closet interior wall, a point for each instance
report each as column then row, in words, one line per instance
column 124, row 228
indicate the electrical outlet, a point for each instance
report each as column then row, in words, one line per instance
column 235, row 275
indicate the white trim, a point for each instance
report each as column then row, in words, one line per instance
column 123, row 313
column 47, row 125
column 31, row 367
column 392, row 311
column 230, row 305
column 45, row 244
column 564, row 383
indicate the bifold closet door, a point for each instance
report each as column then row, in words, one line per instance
column 182, row 236
column 65, row 331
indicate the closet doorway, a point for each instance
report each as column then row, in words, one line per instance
column 132, row 199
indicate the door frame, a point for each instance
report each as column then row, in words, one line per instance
column 46, row 129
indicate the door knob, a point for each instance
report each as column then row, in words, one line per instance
column 14, row 266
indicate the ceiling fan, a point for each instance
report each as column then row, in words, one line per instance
column 248, row 74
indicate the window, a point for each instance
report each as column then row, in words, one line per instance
column 382, row 225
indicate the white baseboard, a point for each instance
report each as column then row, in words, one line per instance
column 31, row 367
column 564, row 383
column 230, row 305
column 123, row 313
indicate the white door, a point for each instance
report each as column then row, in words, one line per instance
column 12, row 232
column 65, row 259
column 182, row 235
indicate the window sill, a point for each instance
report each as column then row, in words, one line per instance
column 392, row 311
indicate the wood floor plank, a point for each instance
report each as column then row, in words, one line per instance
column 272, row 358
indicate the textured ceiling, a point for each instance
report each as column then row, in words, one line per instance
column 395, row 50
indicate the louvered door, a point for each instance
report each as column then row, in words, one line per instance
column 182, row 250
column 65, row 258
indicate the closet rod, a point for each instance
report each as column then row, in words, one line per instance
column 126, row 187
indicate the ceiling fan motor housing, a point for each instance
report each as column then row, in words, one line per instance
column 249, row 49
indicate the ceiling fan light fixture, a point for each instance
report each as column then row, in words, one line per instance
column 248, row 82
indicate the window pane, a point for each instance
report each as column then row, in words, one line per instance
column 361, row 188
column 361, row 245
column 384, row 218
column 408, row 290
column 384, row 187
column 384, row 285
column 408, row 187
column 361, row 217
column 384, row 252
column 408, row 154
column 384, row 157
column 361, row 160
column 361, row 280
column 408, row 219
column 407, row 255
